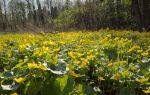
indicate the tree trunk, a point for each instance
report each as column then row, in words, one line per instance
column 146, row 14
column 5, row 15
column 137, row 14
column 1, row 17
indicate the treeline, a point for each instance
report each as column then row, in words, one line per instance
column 52, row 15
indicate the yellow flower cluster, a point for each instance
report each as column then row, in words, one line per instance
column 41, row 51
column 145, row 54
column 104, row 54
column 142, row 80
column 147, row 91
column 75, row 55
column 101, row 78
column 36, row 66
column 117, row 42
column 47, row 43
column 20, row 80
column 14, row 94
column 84, row 63
column 72, row 73
column 133, row 48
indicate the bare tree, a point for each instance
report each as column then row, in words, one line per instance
column 1, row 16
column 5, row 15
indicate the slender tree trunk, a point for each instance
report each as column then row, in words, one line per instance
column 118, row 9
column 29, row 9
column 5, row 15
column 40, row 14
column 1, row 16
column 146, row 14
column 136, row 12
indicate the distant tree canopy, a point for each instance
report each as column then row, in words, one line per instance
column 77, row 14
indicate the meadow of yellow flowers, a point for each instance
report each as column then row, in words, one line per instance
column 104, row 62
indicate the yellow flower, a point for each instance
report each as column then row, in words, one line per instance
column 120, row 62
column 79, row 54
column 20, row 80
column 32, row 65
column 104, row 40
column 101, row 78
column 139, row 51
column 52, row 43
column 72, row 73
column 145, row 54
column 14, row 94
column 116, row 39
column 133, row 48
column 42, row 67
column 142, row 80
column 76, row 61
column 90, row 57
column 109, row 35
column 110, row 65
column 126, row 73
column 147, row 91
column 84, row 63
column 71, row 54
column 54, row 59
column 41, row 51
column 57, row 50
column 36, row 66
column 45, row 49
column 62, row 42
column 116, row 76
column 22, row 46
column 90, row 52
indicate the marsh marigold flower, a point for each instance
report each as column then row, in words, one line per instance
column 110, row 65
column 116, row 76
column 145, row 54
column 139, row 51
column 101, row 78
column 133, row 48
column 52, row 43
column 20, row 80
column 72, row 73
column 142, row 80
column 71, row 54
column 36, row 66
column 14, row 94
column 147, row 91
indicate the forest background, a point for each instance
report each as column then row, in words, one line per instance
column 68, row 15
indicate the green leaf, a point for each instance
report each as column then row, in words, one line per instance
column 51, row 86
column 58, row 86
column 79, row 88
column 59, row 69
column 62, row 81
column 69, row 86
column 33, row 87
column 7, row 85
column 7, row 74
column 89, row 90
